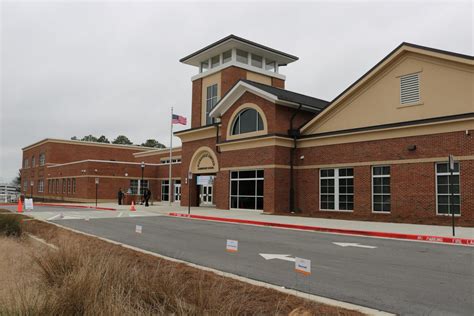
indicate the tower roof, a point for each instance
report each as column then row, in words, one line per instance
column 233, row 41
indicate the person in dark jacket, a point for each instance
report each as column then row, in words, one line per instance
column 120, row 196
column 147, row 196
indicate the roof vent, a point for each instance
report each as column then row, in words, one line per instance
column 410, row 89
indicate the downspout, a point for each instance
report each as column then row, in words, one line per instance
column 217, row 138
column 294, row 133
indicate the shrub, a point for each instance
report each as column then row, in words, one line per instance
column 10, row 225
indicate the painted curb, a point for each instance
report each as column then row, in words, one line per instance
column 424, row 238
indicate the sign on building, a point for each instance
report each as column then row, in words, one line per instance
column 204, row 180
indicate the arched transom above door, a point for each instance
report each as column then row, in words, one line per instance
column 204, row 160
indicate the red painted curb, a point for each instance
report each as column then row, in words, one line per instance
column 67, row 206
column 427, row 238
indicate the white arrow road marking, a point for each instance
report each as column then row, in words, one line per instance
column 120, row 214
column 349, row 244
column 54, row 217
column 269, row 256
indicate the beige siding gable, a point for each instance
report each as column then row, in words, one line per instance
column 446, row 88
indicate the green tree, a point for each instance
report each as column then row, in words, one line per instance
column 89, row 138
column 122, row 140
column 17, row 181
column 74, row 138
column 103, row 139
column 153, row 143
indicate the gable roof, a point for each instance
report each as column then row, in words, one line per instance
column 270, row 93
column 398, row 51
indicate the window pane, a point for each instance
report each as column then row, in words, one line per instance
column 247, row 187
column 247, row 174
column 442, row 167
column 260, row 187
column 236, row 128
column 270, row 65
column 259, row 173
column 259, row 203
column 226, row 56
column 233, row 202
column 234, row 175
column 257, row 61
column 242, row 56
column 215, row 61
column 260, row 123
column 248, row 121
column 247, row 202
column 204, row 66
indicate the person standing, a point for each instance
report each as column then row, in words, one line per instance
column 147, row 196
column 120, row 196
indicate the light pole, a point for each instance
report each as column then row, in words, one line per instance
column 142, row 193
column 96, row 190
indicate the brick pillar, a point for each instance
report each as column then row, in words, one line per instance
column 221, row 189
column 185, row 188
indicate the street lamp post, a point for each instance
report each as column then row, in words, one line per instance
column 96, row 190
column 141, row 183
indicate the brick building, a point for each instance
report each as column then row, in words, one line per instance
column 377, row 151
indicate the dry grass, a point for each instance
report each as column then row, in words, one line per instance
column 87, row 276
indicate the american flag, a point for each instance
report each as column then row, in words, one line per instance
column 178, row 119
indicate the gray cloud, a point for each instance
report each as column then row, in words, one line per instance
column 112, row 68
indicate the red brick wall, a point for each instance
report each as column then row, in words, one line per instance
column 230, row 76
column 279, row 83
column 196, row 103
column 413, row 192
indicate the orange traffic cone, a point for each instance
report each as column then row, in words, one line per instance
column 132, row 207
column 20, row 206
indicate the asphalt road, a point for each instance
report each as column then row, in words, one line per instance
column 402, row 277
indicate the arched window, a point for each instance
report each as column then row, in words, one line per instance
column 248, row 120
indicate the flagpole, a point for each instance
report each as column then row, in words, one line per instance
column 170, row 188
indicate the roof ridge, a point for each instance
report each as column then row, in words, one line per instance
column 305, row 95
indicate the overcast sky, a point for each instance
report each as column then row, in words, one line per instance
column 110, row 68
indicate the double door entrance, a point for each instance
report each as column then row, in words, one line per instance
column 205, row 195
column 206, row 189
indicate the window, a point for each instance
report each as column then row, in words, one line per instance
column 25, row 185
column 73, row 185
column 25, row 163
column 204, row 66
column 33, row 161
column 226, row 56
column 49, row 186
column 444, row 184
column 248, row 120
column 215, row 61
column 381, row 189
column 337, row 189
column 246, row 189
column 270, row 65
column 410, row 89
column 167, row 161
column 165, row 190
column 134, row 184
column 42, row 159
column 242, row 56
column 211, row 101
column 57, row 186
column 257, row 61
column 68, row 186
column 64, row 186
column 41, row 185
column 177, row 190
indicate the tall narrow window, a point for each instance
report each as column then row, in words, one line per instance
column 165, row 190
column 445, row 185
column 68, row 186
column 270, row 65
column 257, row 61
column 204, row 66
column 211, row 101
column 381, row 189
column 41, row 185
column 33, row 161
column 73, row 185
column 42, row 159
column 337, row 189
column 410, row 89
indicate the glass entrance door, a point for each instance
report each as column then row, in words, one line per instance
column 205, row 195
column 177, row 191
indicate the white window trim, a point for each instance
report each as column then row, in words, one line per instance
column 372, row 176
column 336, row 189
column 163, row 184
column 436, row 187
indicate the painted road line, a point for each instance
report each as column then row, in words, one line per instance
column 387, row 235
column 350, row 244
column 54, row 217
column 120, row 214
column 271, row 256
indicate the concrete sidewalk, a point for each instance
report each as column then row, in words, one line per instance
column 335, row 224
